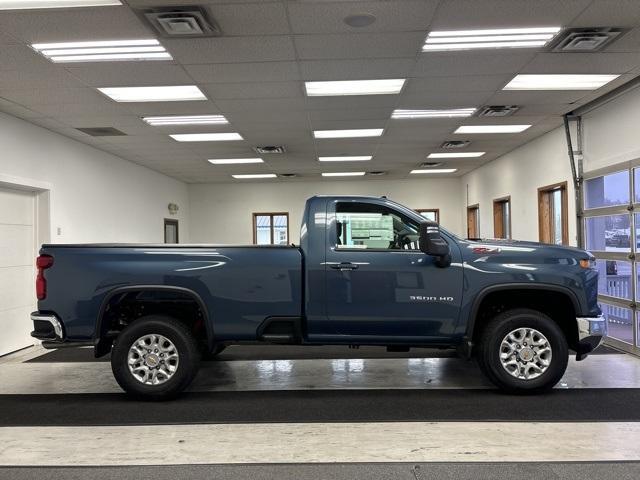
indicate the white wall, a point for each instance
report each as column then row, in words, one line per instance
column 519, row 174
column 95, row 196
column 222, row 213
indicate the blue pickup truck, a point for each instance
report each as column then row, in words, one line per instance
column 368, row 271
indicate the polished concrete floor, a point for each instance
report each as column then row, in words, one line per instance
column 169, row 441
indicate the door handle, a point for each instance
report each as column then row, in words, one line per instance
column 345, row 266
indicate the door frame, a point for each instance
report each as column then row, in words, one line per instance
column 172, row 221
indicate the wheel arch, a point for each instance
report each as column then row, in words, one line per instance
column 533, row 292
column 102, row 344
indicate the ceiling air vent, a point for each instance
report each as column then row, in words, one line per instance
column 498, row 110
column 102, row 132
column 430, row 164
column 586, row 39
column 186, row 22
column 455, row 144
column 267, row 149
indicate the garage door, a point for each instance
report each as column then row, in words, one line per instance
column 17, row 250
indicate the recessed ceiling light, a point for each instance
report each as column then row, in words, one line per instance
column 353, row 158
column 444, row 113
column 255, row 175
column 359, row 132
column 436, row 170
column 154, row 94
column 29, row 4
column 354, row 87
column 206, row 137
column 456, row 155
column 494, row 38
column 103, row 51
column 559, row 82
column 186, row 120
column 492, row 128
column 343, row 174
column 234, row 161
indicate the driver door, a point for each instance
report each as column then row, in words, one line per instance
column 380, row 286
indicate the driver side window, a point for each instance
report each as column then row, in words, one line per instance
column 369, row 226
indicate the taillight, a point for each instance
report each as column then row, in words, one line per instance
column 42, row 263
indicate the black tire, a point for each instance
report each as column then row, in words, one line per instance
column 489, row 346
column 184, row 342
column 217, row 350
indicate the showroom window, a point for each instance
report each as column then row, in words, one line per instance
column 370, row 226
column 502, row 217
column 432, row 214
column 473, row 221
column 271, row 228
column 610, row 233
column 553, row 219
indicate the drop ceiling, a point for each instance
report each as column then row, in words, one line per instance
column 254, row 75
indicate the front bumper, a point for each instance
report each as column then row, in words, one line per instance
column 591, row 333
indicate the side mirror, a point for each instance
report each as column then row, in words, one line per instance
column 432, row 243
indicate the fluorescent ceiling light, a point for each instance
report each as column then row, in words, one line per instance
column 492, row 128
column 360, row 132
column 206, row 137
column 346, row 158
column 494, row 38
column 103, row 51
column 234, row 161
column 256, row 175
column 343, row 174
column 186, row 120
column 436, row 170
column 154, row 94
column 456, row 155
column 29, row 4
column 444, row 113
column 559, row 82
column 354, row 87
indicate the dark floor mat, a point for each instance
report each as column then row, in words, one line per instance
column 265, row 352
column 579, row 405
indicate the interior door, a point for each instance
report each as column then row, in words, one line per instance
column 380, row 287
column 17, row 276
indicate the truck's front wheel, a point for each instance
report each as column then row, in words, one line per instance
column 523, row 351
column 155, row 358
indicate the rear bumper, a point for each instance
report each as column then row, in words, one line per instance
column 591, row 333
column 47, row 327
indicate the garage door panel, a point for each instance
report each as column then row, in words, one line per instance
column 15, row 325
column 14, row 287
column 17, row 207
column 16, row 245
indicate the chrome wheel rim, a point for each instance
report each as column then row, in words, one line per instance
column 525, row 353
column 153, row 359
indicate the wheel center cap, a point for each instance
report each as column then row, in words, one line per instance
column 152, row 360
column 526, row 354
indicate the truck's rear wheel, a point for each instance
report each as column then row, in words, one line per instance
column 523, row 351
column 155, row 358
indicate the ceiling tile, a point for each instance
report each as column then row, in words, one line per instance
column 217, row 91
column 443, row 64
column 444, row 99
column 53, row 77
column 23, row 58
column 611, row 13
column 583, row 63
column 471, row 83
column 357, row 69
column 282, row 105
column 231, row 49
column 328, row 17
column 363, row 45
column 254, row 19
column 457, row 14
column 129, row 74
column 53, row 96
column 244, row 72
column 73, row 24
column 172, row 108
